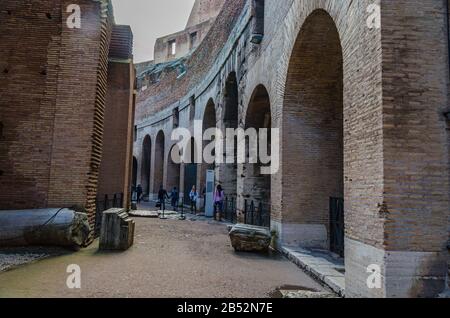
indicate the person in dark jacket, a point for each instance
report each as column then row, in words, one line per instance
column 139, row 193
column 174, row 196
column 162, row 196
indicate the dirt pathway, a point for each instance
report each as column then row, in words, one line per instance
column 170, row 258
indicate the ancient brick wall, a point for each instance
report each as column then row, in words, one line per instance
column 53, row 91
column 360, row 115
column 115, row 167
column 415, row 149
column 80, row 110
column 27, row 100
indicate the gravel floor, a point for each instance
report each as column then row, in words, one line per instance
column 170, row 258
column 11, row 258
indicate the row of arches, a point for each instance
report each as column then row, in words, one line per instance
column 256, row 186
column 312, row 139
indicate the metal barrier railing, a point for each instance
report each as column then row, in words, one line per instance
column 257, row 214
column 229, row 210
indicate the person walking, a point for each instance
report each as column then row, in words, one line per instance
column 193, row 196
column 139, row 193
column 162, row 196
column 219, row 198
column 174, row 197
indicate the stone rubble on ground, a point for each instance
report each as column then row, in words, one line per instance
column 249, row 238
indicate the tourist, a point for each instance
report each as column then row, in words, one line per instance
column 174, row 196
column 162, row 196
column 139, row 193
column 219, row 198
column 193, row 196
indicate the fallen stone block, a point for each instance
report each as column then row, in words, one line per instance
column 117, row 231
column 249, row 238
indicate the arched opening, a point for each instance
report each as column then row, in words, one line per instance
column 146, row 165
column 209, row 121
column 134, row 173
column 159, row 162
column 313, row 186
column 228, row 171
column 256, row 185
column 173, row 168
column 190, row 168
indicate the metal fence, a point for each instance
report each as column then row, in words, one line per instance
column 103, row 204
column 256, row 213
column 229, row 210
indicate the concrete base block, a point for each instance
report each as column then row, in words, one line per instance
column 301, row 235
column 403, row 274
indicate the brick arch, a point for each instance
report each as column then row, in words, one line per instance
column 312, row 134
column 209, row 120
column 227, row 172
column 231, row 101
column 190, row 166
column 158, row 171
column 259, row 83
column 146, row 159
column 209, row 117
column 256, row 187
column 173, row 168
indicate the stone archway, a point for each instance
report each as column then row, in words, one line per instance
column 256, row 187
column 146, row 165
column 173, row 168
column 190, row 155
column 228, row 170
column 312, row 139
column 158, row 174
column 209, row 121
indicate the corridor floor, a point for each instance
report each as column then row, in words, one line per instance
column 170, row 258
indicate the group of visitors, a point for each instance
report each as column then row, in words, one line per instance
column 219, row 198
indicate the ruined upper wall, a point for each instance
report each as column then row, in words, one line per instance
column 185, row 41
column 169, row 86
column 204, row 10
column 200, row 21
column 121, row 46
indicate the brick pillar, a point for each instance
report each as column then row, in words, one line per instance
column 415, row 209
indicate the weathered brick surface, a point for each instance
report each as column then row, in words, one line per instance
column 27, row 100
column 360, row 115
column 53, row 89
column 115, row 167
column 415, row 154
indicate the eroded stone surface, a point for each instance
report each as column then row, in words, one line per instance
column 247, row 238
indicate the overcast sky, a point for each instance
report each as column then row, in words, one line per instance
column 151, row 19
